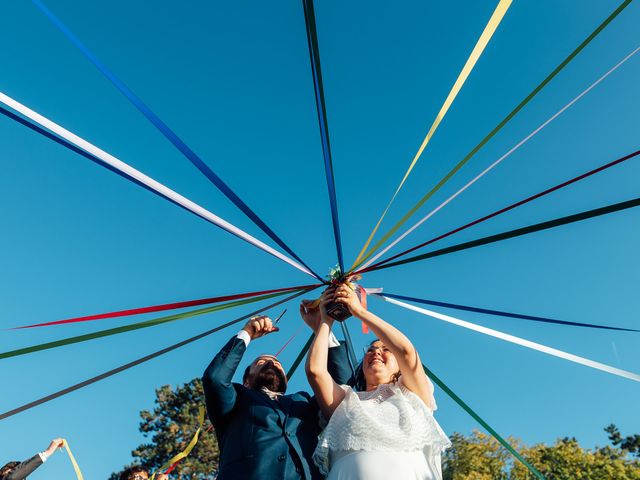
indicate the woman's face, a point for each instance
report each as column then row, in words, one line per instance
column 379, row 364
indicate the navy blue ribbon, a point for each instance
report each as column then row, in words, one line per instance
column 503, row 314
column 314, row 53
column 169, row 134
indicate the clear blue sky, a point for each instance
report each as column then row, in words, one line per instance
column 233, row 80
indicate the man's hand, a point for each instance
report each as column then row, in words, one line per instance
column 260, row 326
column 55, row 444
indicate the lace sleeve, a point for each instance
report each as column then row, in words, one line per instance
column 431, row 405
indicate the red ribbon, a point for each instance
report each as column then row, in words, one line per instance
column 160, row 308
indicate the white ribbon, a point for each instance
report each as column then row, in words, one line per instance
column 146, row 180
column 518, row 341
column 497, row 162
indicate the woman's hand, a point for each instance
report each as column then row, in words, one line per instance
column 326, row 298
column 347, row 296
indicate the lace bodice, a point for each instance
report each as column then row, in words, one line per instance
column 389, row 418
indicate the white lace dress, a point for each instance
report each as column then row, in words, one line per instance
column 388, row 433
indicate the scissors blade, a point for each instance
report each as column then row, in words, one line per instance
column 280, row 316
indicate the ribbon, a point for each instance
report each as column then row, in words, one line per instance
column 141, row 360
column 500, row 160
column 505, row 314
column 77, row 144
column 297, row 361
column 134, row 326
column 171, row 464
column 477, row 417
column 616, row 207
column 73, row 460
column 314, row 53
column 519, row 341
column 163, row 307
column 497, row 128
column 169, row 134
column 488, row 32
column 510, row 207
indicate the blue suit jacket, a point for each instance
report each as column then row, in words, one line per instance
column 260, row 438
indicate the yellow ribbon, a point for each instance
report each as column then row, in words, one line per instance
column 488, row 32
column 187, row 450
column 73, row 459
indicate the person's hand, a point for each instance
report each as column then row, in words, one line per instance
column 55, row 444
column 162, row 476
column 310, row 313
column 326, row 298
column 347, row 296
column 260, row 326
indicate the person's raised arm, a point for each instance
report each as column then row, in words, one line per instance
column 328, row 393
column 220, row 394
column 413, row 376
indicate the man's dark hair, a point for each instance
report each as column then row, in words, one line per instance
column 128, row 473
column 245, row 376
column 7, row 469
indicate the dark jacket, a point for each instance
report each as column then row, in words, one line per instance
column 24, row 469
column 260, row 438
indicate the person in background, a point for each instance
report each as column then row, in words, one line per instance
column 21, row 470
column 138, row 472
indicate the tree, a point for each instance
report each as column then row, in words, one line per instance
column 171, row 426
column 630, row 444
column 480, row 457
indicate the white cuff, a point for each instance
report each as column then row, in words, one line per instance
column 333, row 341
column 43, row 456
column 244, row 336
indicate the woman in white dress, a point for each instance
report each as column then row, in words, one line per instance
column 384, row 428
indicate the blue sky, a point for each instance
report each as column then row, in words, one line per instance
column 234, row 81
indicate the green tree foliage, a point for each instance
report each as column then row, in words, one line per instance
column 170, row 427
column 480, row 457
column 630, row 444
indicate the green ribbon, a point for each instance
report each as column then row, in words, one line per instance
column 596, row 212
column 135, row 326
column 499, row 127
column 300, row 356
column 477, row 417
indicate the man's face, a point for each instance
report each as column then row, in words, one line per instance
column 266, row 371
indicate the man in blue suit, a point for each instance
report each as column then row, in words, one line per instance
column 264, row 433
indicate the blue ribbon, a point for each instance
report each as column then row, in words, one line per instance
column 314, row 53
column 169, row 134
column 503, row 314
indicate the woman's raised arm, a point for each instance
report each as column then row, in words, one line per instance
column 413, row 376
column 328, row 393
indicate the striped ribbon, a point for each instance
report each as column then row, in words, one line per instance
column 73, row 459
column 488, row 32
column 578, row 217
column 68, row 139
column 500, row 160
column 496, row 129
column 163, row 307
column 173, row 461
column 518, row 341
column 314, row 53
column 169, row 134
column 505, row 314
column 508, row 208
column 135, row 326
column 142, row 360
